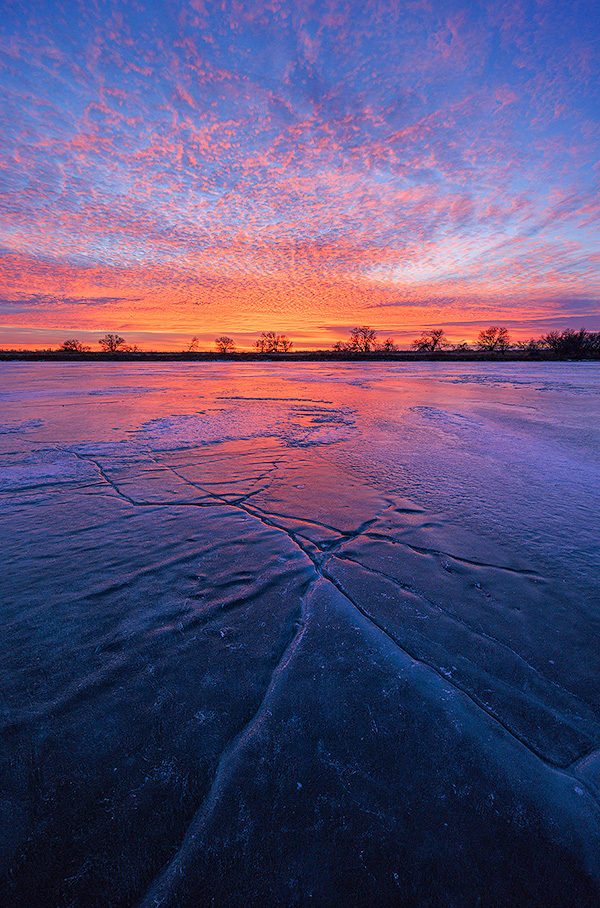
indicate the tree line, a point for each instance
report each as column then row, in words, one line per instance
column 495, row 339
column 363, row 339
column 268, row 342
column 568, row 344
column 110, row 343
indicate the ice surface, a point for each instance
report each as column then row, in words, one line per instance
column 284, row 634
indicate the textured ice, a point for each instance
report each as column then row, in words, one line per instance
column 283, row 635
column 299, row 426
column 20, row 426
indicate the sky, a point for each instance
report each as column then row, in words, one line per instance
column 175, row 169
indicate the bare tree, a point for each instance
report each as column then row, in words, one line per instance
column 73, row 346
column 388, row 346
column 192, row 347
column 225, row 344
column 572, row 344
column 532, row 346
column 113, row 343
column 269, row 342
column 431, row 341
column 493, row 340
column 363, row 339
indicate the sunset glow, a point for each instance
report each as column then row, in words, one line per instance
column 177, row 169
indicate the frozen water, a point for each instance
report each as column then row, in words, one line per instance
column 283, row 634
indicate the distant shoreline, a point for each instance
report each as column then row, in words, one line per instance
column 317, row 356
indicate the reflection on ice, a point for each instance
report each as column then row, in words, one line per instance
column 280, row 635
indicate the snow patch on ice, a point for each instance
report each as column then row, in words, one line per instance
column 319, row 426
column 188, row 430
column 300, row 426
column 50, row 467
column 443, row 416
column 26, row 426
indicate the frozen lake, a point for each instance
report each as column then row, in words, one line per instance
column 286, row 634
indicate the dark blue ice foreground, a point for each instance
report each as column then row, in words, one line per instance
column 245, row 673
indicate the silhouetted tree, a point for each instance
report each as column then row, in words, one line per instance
column 269, row 342
column 592, row 343
column 572, row 344
column 192, row 347
column 463, row 347
column 493, row 340
column 73, row 346
column 225, row 344
column 431, row 341
column 112, row 343
column 553, row 341
column 531, row 346
column 388, row 346
column 363, row 339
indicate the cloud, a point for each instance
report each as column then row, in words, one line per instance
column 285, row 154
